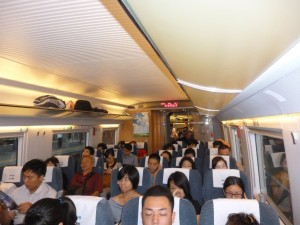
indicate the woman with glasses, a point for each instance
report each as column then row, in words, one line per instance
column 233, row 187
column 241, row 219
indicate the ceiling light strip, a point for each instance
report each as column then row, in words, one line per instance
column 210, row 89
column 212, row 110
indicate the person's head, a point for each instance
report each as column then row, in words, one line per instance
column 87, row 151
column 217, row 143
column 109, row 155
column 187, row 162
column 219, row 162
column 127, row 149
column 241, row 219
column 192, row 143
column 223, row 150
column 33, row 174
column 283, row 162
column 87, row 163
column 167, row 155
column 52, row 161
column 128, row 178
column 179, row 185
column 157, row 206
column 51, row 212
column 233, row 187
column 101, row 147
column 168, row 146
column 153, row 162
column 190, row 152
column 121, row 144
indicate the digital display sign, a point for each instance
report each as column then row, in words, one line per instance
column 169, row 104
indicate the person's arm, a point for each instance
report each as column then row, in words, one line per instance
column 5, row 216
column 98, row 185
column 23, row 207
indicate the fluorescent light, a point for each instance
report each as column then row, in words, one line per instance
column 277, row 96
column 212, row 110
column 210, row 89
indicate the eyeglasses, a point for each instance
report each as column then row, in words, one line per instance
column 235, row 195
column 243, row 218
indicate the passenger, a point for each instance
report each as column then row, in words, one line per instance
column 233, row 187
column 241, row 219
column 174, row 136
column 128, row 180
column 101, row 148
column 153, row 165
column 167, row 155
column 121, row 144
column 180, row 187
column 219, row 162
column 169, row 146
column 109, row 166
column 128, row 157
column 192, row 143
column 225, row 150
column 187, row 162
column 32, row 190
column 190, row 152
column 86, row 182
column 157, row 206
column 5, row 215
column 218, row 142
column 88, row 151
column 49, row 211
column 53, row 161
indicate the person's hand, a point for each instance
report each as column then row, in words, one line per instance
column 23, row 207
column 3, row 206
column 178, row 193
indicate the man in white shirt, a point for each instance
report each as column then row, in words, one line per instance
column 32, row 190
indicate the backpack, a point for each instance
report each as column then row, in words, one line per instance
column 49, row 101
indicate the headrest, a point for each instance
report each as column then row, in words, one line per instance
column 141, row 174
column 110, row 146
column 176, row 147
column 116, row 152
column 210, row 144
column 276, row 157
column 49, row 174
column 224, row 206
column 183, row 151
column 12, row 174
column 268, row 148
column 213, row 151
column 161, row 151
column 168, row 171
column 86, row 208
column 220, row 175
column 176, row 210
column 147, row 158
column 63, row 160
column 7, row 187
column 225, row 157
column 140, row 145
column 178, row 159
column 179, row 142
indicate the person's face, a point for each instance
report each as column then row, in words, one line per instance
column 157, row 211
column 110, row 159
column 176, row 191
column 50, row 163
column 125, row 184
column 165, row 155
column 126, row 152
column 153, row 165
column 186, row 164
column 32, row 181
column 233, row 191
column 224, row 151
column 86, row 152
column 100, row 149
column 87, row 164
column 221, row 165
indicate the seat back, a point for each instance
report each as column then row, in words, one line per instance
column 216, row 211
column 54, row 178
column 67, row 165
column 145, row 181
column 211, row 191
column 12, row 174
column 193, row 176
column 92, row 210
column 184, row 212
column 163, row 162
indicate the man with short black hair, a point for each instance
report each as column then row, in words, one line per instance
column 128, row 157
column 153, row 165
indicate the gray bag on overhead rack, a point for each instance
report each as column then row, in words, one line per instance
column 49, row 101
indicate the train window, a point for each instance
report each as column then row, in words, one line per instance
column 235, row 137
column 68, row 143
column 274, row 174
column 8, row 151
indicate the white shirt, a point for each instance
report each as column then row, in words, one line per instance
column 22, row 194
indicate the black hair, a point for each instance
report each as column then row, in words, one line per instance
column 121, row 144
column 187, row 159
column 37, row 166
column 222, row 147
column 154, row 156
column 128, row 146
column 241, row 219
column 192, row 141
column 168, row 146
column 51, row 211
column 108, row 152
column 159, row 191
column 102, row 145
column 216, row 160
column 90, row 148
column 181, row 181
column 231, row 180
column 190, row 151
column 217, row 143
column 168, row 153
column 132, row 174
column 53, row 160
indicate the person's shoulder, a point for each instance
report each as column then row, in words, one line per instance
column 48, row 190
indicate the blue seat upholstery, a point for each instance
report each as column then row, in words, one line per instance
column 211, row 192
column 164, row 162
column 56, row 180
column 92, row 210
column 186, row 215
column 142, row 187
column 67, row 165
column 194, row 178
column 266, row 214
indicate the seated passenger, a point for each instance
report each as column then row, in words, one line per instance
column 157, row 206
column 5, row 215
column 53, row 161
column 49, row 211
column 225, row 150
column 128, row 157
column 241, row 219
column 169, row 146
column 219, row 162
column 88, row 151
column 233, row 187
column 101, row 148
column 192, row 143
column 190, row 152
column 128, row 180
column 153, row 165
column 167, row 155
column 32, row 190
column 86, row 182
column 187, row 162
column 180, row 187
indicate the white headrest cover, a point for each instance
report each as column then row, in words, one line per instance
column 116, row 152
column 49, row 174
column 12, row 174
column 63, row 160
column 220, row 175
column 168, row 171
column 96, row 160
column 225, row 157
column 224, row 206
column 213, row 151
column 141, row 174
column 178, row 159
column 147, row 158
column 176, row 147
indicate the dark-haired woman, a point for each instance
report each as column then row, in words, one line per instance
column 219, row 162
column 233, row 187
column 241, row 219
column 187, row 163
